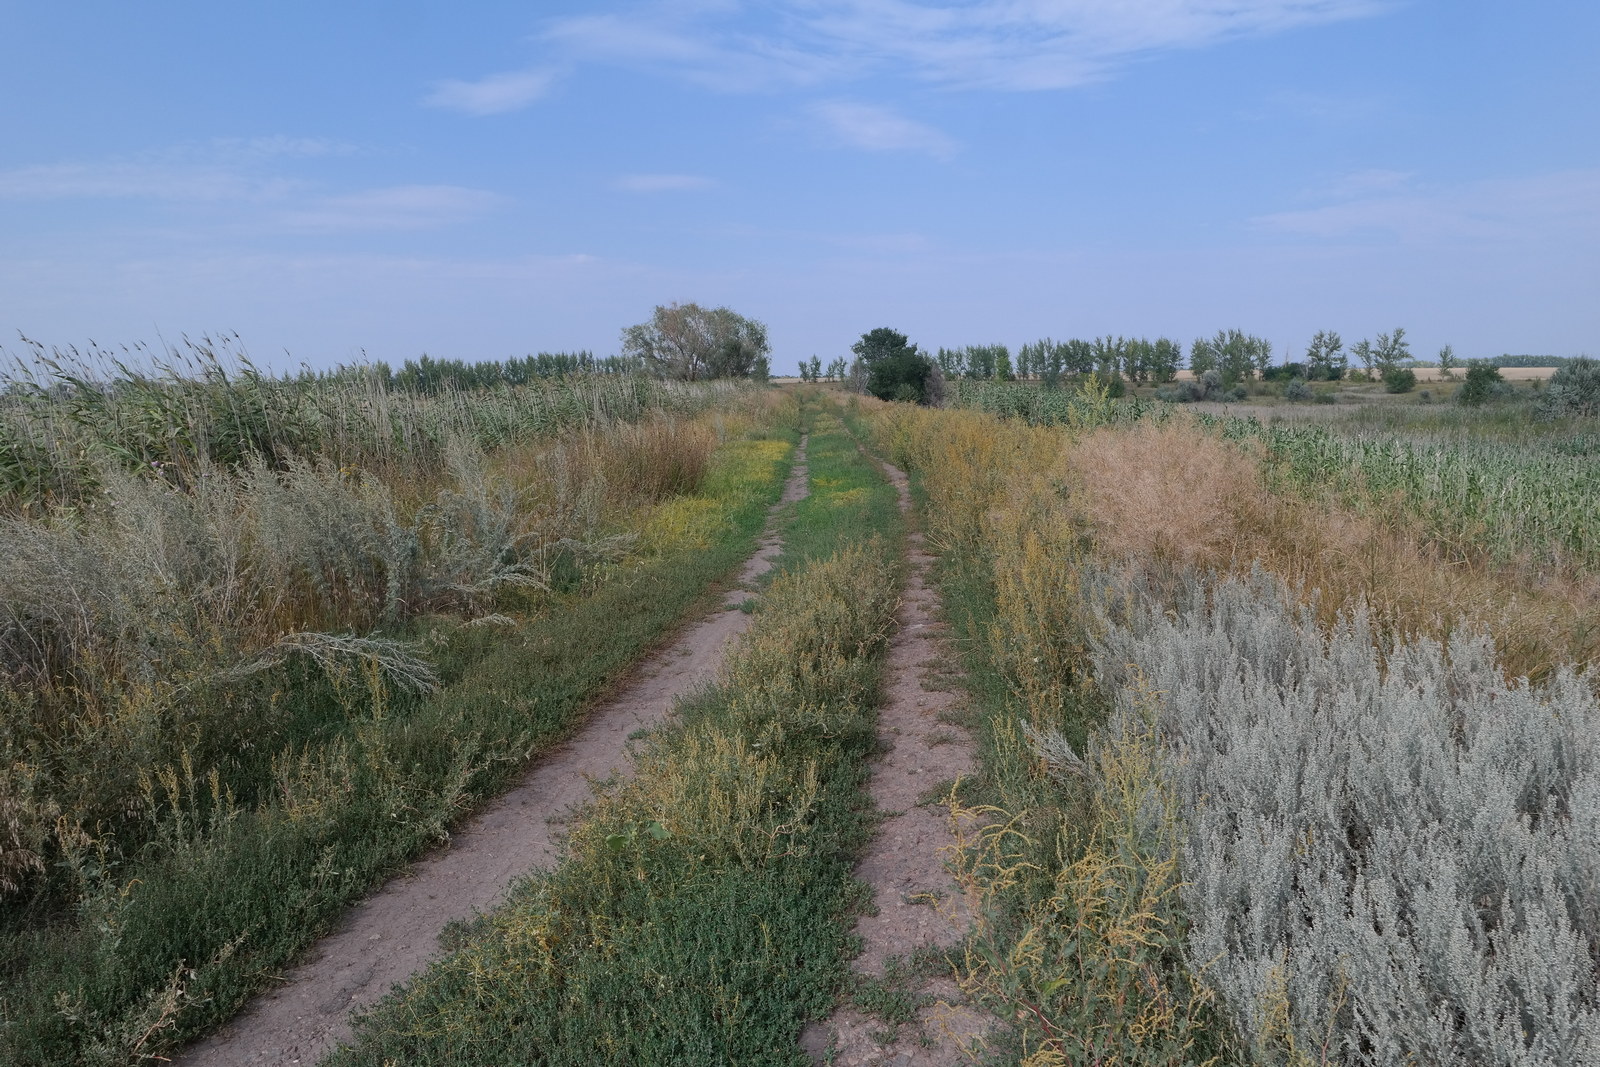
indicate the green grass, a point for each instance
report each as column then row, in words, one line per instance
column 352, row 782
column 704, row 912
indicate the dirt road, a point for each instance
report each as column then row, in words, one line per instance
column 395, row 932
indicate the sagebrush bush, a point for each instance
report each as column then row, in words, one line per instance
column 1574, row 390
column 1390, row 849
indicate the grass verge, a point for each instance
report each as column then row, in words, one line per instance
column 165, row 946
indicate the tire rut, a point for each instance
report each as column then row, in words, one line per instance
column 919, row 904
column 395, row 932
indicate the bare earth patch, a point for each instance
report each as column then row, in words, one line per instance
column 395, row 932
column 920, row 907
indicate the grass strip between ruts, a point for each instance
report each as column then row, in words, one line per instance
column 169, row 947
column 704, row 912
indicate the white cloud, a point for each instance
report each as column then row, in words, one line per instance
column 881, row 129
column 1558, row 207
column 661, row 183
column 494, row 94
column 722, row 58
column 220, row 169
column 401, row 207
column 997, row 44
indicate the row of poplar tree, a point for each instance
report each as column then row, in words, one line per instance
column 1235, row 355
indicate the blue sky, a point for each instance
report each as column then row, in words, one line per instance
column 490, row 179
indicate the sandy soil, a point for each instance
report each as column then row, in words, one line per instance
column 395, row 932
column 919, row 904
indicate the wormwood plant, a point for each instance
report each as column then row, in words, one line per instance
column 1389, row 857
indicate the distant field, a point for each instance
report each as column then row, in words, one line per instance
column 1432, row 374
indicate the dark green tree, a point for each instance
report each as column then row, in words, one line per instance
column 894, row 368
column 1483, row 381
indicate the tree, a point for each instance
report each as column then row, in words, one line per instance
column 1398, row 379
column 689, row 342
column 1447, row 361
column 1077, row 356
column 1363, row 351
column 893, row 368
column 952, row 362
column 1325, row 357
column 815, row 366
column 1164, row 356
column 1483, row 381
column 1025, row 367
column 1108, row 354
column 1391, row 351
column 837, row 369
column 1202, row 357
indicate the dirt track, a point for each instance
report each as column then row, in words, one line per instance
column 394, row 933
column 919, row 904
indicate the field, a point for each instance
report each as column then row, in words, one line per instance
column 1286, row 732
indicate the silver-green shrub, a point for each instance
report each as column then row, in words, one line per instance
column 1393, row 855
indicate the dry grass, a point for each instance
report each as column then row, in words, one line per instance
column 1173, row 496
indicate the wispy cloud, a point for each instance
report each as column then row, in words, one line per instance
column 215, row 170
column 1561, row 206
column 114, row 179
column 661, row 183
column 881, row 129
column 701, row 44
column 401, row 207
column 492, row 95
column 996, row 44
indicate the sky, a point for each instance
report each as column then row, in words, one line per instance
column 386, row 178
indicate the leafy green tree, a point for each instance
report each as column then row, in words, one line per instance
column 1163, row 359
column 1398, row 379
column 1002, row 364
column 1483, row 381
column 816, row 369
column 837, row 369
column 980, row 361
column 952, row 362
column 1203, row 357
column 1045, row 359
column 1391, row 351
column 690, row 342
column 1108, row 357
column 1448, row 361
column 1364, row 351
column 1325, row 358
column 1077, row 356
column 893, row 368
